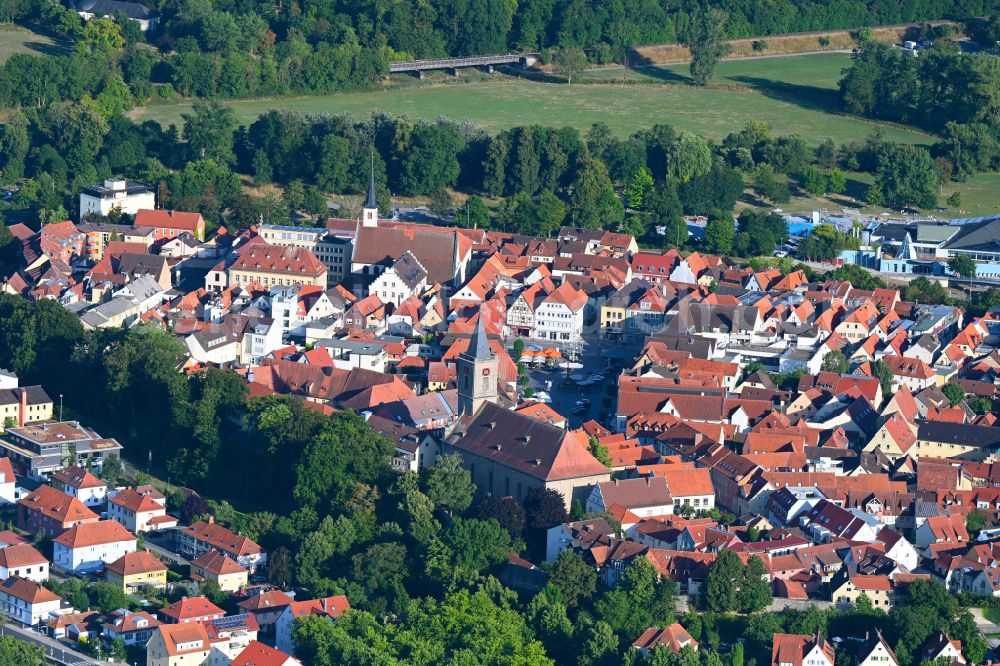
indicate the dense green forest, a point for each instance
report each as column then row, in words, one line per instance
column 250, row 48
column 540, row 177
column 945, row 91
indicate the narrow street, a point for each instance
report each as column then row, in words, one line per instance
column 55, row 652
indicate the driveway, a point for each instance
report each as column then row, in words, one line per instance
column 163, row 545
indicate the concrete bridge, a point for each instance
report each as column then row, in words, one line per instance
column 455, row 64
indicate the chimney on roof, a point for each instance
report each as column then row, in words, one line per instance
column 211, row 520
column 23, row 407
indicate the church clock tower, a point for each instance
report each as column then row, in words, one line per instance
column 477, row 369
column 369, row 214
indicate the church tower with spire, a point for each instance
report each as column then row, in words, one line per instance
column 477, row 372
column 369, row 214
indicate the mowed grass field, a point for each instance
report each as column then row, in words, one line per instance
column 793, row 94
column 16, row 39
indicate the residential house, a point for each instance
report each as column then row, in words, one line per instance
column 181, row 246
column 826, row 522
column 521, row 313
column 542, row 412
column 644, row 497
column 940, row 646
column 24, row 561
column 367, row 315
column 203, row 536
column 645, row 315
column 881, row 590
column 801, row 650
column 100, row 235
column 139, row 512
column 876, row 651
column 940, row 534
column 689, row 487
column 229, row 636
column 169, row 224
column 674, row 637
column 89, row 546
column 146, row 19
column 913, row 373
column 133, row 627
column 559, row 317
column 614, row 310
column 135, row 572
column 51, row 512
column 179, row 645
column 27, row 602
column 266, row 606
column 215, row 567
column 25, row 404
column 260, row 654
column 329, row 607
column 297, row 306
column 191, row 610
column 859, row 324
column 81, row 484
column 940, row 439
column 404, row 278
column 654, row 268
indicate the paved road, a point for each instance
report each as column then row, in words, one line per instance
column 984, row 625
column 776, row 604
column 603, row 68
column 55, row 652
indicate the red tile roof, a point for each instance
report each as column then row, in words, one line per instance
column 673, row 636
column 191, row 608
column 131, row 564
column 94, row 534
column 217, row 564
column 265, row 258
column 77, row 477
column 259, row 654
column 19, row 555
column 330, row 606
column 225, row 540
column 132, row 500
column 169, row 219
column 57, row 505
column 27, row 591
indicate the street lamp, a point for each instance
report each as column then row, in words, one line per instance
column 60, row 407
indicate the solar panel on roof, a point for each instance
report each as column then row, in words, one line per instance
column 231, row 621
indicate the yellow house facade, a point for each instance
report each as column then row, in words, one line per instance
column 135, row 572
column 225, row 572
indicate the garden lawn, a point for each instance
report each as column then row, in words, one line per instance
column 16, row 39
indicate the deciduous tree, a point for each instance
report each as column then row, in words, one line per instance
column 449, row 484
